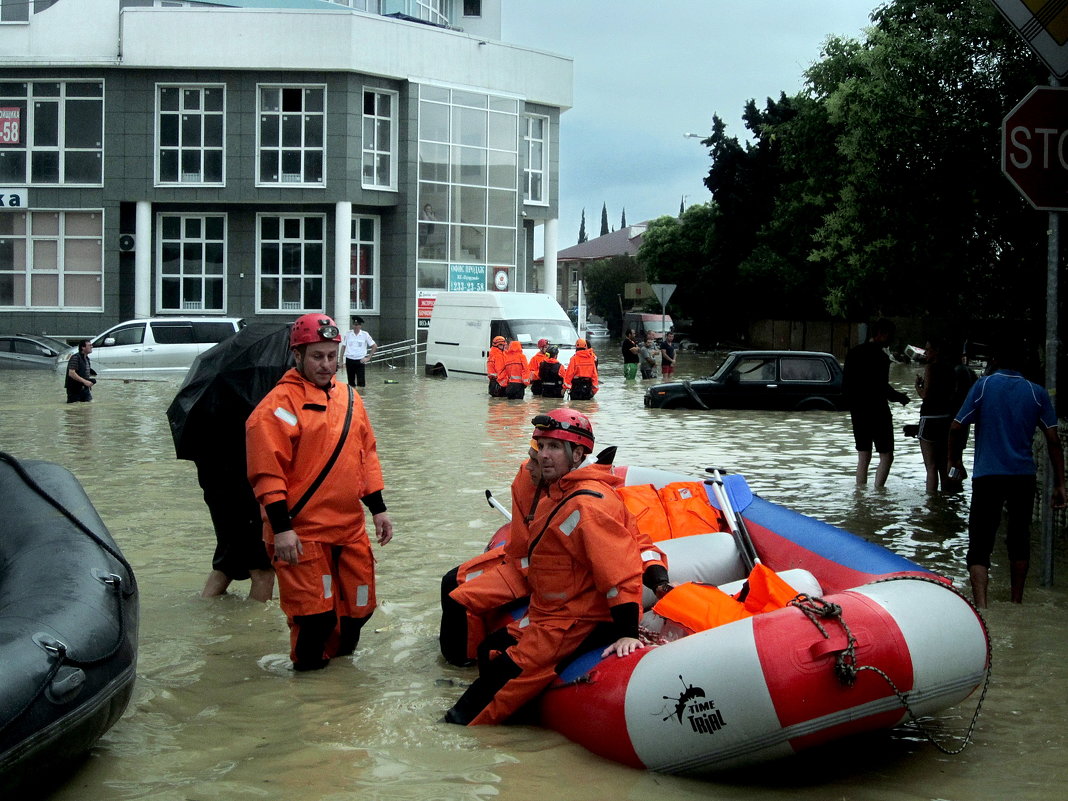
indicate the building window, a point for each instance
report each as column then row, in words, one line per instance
column 292, row 258
column 472, row 8
column 292, row 135
column 190, row 134
column 51, row 132
column 379, row 140
column 191, row 253
column 52, row 260
column 14, row 10
column 363, row 277
column 536, row 170
column 468, row 187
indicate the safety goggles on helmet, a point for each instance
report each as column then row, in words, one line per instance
column 547, row 426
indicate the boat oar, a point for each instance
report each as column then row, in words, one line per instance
column 498, row 506
column 734, row 520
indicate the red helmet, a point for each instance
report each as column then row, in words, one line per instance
column 565, row 424
column 542, row 343
column 499, row 340
column 581, row 344
column 314, row 327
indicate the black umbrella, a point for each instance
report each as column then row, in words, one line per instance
column 223, row 386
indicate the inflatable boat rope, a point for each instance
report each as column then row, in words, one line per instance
column 846, row 667
column 48, row 643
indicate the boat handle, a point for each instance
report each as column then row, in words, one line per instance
column 50, row 644
column 111, row 579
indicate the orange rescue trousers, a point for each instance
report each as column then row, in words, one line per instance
column 327, row 597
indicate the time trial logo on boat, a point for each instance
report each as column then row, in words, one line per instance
column 703, row 715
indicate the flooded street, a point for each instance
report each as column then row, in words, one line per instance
column 214, row 716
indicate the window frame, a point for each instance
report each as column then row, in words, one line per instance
column 181, row 149
column 61, row 239
column 303, row 149
column 372, row 152
column 375, row 275
column 204, row 276
column 281, row 275
column 32, row 102
column 529, row 170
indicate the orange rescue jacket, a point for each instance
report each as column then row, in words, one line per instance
column 513, row 366
column 290, row 436
column 583, row 364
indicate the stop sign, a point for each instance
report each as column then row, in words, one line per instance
column 1034, row 147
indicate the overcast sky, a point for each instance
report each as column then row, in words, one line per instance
column 648, row 72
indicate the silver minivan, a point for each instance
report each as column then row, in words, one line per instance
column 159, row 344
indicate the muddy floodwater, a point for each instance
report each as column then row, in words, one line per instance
column 215, row 714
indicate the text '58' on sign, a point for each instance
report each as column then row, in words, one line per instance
column 1034, row 148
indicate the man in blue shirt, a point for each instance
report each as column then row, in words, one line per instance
column 1006, row 408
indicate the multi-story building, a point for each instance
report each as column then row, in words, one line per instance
column 263, row 158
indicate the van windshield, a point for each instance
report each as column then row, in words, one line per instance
column 528, row 332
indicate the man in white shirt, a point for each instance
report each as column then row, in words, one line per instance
column 357, row 348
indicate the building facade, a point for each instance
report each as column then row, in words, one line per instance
column 265, row 159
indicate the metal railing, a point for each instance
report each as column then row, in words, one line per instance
column 402, row 351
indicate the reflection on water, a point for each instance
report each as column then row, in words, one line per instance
column 215, row 717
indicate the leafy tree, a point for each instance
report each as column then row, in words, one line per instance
column 623, row 219
column 923, row 221
column 605, row 282
column 582, row 229
column 604, row 219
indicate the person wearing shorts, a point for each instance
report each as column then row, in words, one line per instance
column 867, row 390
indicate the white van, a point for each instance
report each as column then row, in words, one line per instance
column 463, row 324
column 159, row 344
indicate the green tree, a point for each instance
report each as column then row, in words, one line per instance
column 922, row 219
column 605, row 282
column 582, row 229
column 623, row 219
column 604, row 219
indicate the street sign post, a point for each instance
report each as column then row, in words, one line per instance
column 1034, row 148
column 663, row 294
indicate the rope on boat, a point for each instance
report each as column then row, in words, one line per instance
column 846, row 667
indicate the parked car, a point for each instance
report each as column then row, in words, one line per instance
column 595, row 332
column 759, row 379
column 33, row 352
column 160, row 344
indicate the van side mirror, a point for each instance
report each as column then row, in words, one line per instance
column 109, row 341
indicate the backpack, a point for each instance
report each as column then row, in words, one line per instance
column 551, row 383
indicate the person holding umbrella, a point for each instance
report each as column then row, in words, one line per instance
column 312, row 460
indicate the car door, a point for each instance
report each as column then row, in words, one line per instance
column 120, row 348
column 172, row 347
column 752, row 383
column 801, row 378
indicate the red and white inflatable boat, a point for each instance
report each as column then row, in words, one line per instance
column 872, row 640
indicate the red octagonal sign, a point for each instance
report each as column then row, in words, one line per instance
column 1034, row 147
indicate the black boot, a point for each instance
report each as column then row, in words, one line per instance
column 312, row 633
column 350, row 634
column 478, row 696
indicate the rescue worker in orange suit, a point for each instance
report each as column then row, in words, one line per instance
column 580, row 378
column 584, row 573
column 494, row 363
column 495, row 581
column 312, row 459
column 533, row 375
column 514, row 370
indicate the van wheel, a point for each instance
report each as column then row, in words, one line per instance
column 437, row 371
